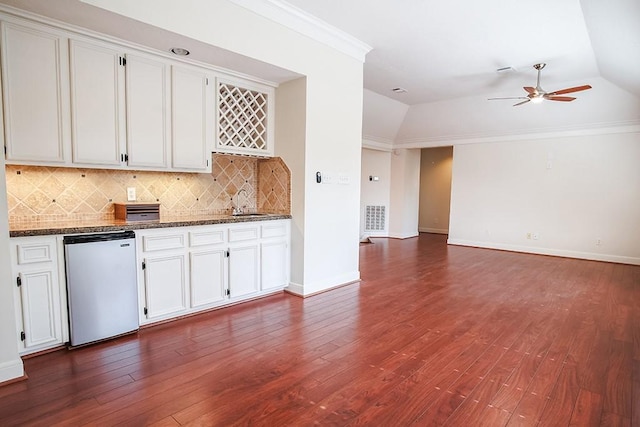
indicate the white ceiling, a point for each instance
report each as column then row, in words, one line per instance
column 436, row 50
column 451, row 49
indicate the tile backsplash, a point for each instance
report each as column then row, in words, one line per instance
column 43, row 194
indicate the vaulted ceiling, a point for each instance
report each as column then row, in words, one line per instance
column 438, row 50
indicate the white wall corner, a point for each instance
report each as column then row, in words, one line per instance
column 308, row 25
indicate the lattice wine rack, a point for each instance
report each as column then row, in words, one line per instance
column 242, row 118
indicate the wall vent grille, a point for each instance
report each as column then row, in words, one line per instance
column 374, row 219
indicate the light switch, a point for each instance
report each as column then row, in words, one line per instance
column 131, row 194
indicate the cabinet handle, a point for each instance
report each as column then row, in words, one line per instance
column 18, row 281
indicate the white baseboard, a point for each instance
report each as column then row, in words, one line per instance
column 547, row 251
column 295, row 288
column 11, row 370
column 403, row 235
column 433, row 230
column 323, row 285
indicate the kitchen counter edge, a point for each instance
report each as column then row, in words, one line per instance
column 108, row 226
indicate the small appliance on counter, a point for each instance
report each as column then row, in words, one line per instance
column 137, row 211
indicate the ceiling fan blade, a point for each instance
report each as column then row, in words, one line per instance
column 559, row 98
column 511, row 97
column 530, row 89
column 520, row 103
column 570, row 90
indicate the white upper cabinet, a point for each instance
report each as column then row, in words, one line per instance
column 97, row 99
column 148, row 105
column 35, row 94
column 192, row 128
column 245, row 117
column 70, row 99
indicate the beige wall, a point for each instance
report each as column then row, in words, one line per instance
column 435, row 189
column 572, row 196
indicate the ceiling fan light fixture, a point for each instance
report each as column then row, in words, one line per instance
column 537, row 99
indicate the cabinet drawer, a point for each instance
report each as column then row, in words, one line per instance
column 203, row 238
column 276, row 229
column 242, row 234
column 31, row 253
column 163, row 242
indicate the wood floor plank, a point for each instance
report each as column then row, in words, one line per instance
column 432, row 335
column 587, row 411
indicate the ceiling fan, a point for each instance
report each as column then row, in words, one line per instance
column 537, row 94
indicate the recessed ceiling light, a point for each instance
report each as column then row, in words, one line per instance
column 399, row 90
column 506, row 70
column 180, row 51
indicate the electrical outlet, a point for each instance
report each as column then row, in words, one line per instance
column 598, row 242
column 131, row 194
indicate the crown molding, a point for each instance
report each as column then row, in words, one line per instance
column 375, row 143
column 604, row 129
column 308, row 25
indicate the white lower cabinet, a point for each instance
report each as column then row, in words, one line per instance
column 274, row 254
column 165, row 285
column 208, row 276
column 39, row 293
column 188, row 269
column 243, row 270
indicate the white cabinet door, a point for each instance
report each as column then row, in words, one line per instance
column 208, row 276
column 39, row 299
column 165, row 285
column 147, row 95
column 243, row 270
column 40, row 308
column 192, row 117
column 97, row 104
column 35, row 94
column 274, row 264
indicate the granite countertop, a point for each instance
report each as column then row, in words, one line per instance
column 76, row 227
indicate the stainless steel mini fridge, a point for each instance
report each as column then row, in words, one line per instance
column 102, row 292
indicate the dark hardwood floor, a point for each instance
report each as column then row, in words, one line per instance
column 433, row 335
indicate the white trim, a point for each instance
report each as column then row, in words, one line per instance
column 11, row 370
column 608, row 129
column 433, row 230
column 374, row 143
column 308, row 25
column 403, row 235
column 547, row 251
column 324, row 284
column 295, row 288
